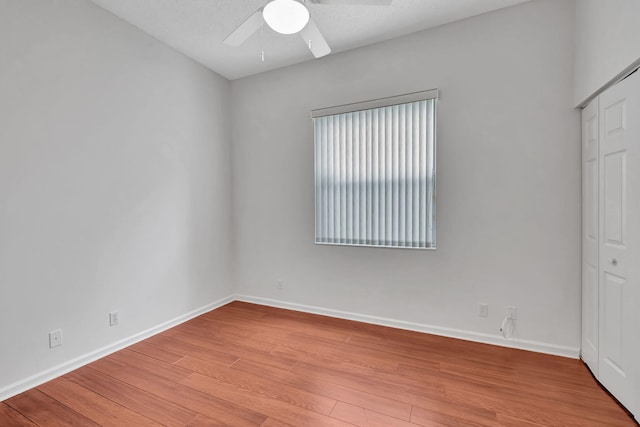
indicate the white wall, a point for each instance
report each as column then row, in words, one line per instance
column 607, row 42
column 508, row 180
column 114, row 184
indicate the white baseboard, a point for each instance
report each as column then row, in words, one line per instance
column 66, row 367
column 42, row 377
column 539, row 347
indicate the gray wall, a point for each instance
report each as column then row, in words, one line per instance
column 607, row 42
column 114, row 183
column 508, row 181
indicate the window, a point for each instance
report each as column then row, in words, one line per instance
column 375, row 172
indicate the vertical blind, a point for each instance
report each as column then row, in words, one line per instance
column 375, row 176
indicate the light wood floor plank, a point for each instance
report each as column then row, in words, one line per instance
column 391, row 407
column 277, row 390
column 160, row 410
column 97, row 408
column 11, row 417
column 45, row 411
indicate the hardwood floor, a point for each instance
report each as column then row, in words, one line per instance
column 250, row 365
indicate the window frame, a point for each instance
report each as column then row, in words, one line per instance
column 409, row 98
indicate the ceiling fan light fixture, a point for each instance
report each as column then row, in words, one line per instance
column 286, row 16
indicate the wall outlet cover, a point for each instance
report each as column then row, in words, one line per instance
column 114, row 318
column 483, row 310
column 55, row 338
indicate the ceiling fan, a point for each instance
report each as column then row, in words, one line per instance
column 291, row 17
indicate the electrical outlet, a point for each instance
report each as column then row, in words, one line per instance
column 114, row 318
column 55, row 338
column 280, row 284
column 512, row 313
column 483, row 310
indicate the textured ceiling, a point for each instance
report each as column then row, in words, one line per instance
column 197, row 27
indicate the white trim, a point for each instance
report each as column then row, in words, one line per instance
column 539, row 347
column 614, row 81
column 358, row 245
column 66, row 367
column 376, row 103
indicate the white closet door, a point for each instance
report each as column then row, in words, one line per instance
column 620, row 242
column 590, row 236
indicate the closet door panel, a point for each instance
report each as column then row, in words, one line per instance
column 615, row 199
column 590, row 236
column 613, row 304
column 619, row 248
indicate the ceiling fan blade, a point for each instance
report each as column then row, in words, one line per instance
column 245, row 30
column 314, row 40
column 356, row 2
